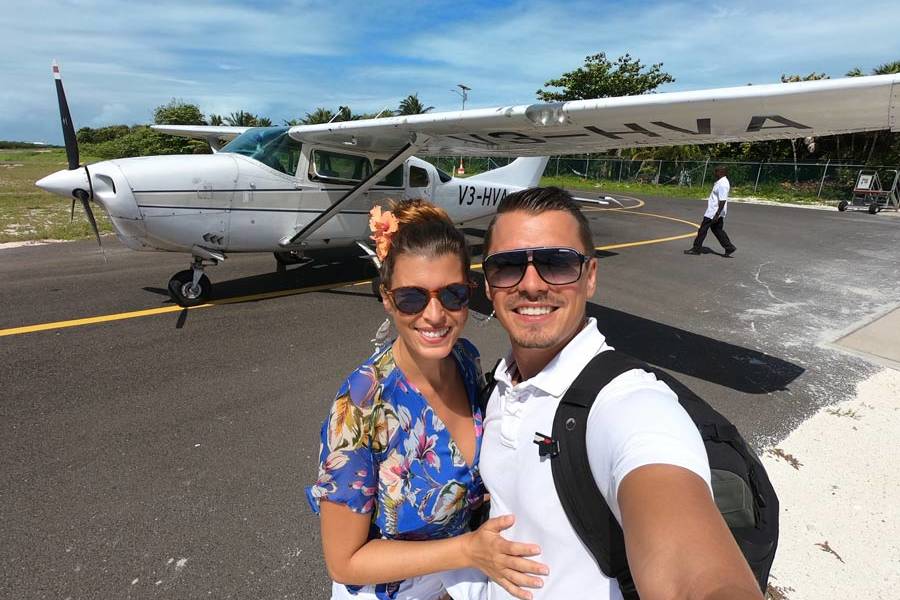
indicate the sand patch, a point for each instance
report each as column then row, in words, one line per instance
column 837, row 480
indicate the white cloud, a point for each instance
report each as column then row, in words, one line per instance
column 285, row 59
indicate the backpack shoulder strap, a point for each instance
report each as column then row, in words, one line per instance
column 489, row 384
column 578, row 493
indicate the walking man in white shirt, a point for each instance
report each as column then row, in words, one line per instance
column 645, row 453
column 714, row 217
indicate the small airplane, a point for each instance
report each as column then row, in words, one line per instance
column 289, row 189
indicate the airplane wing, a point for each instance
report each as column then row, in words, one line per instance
column 737, row 114
column 222, row 133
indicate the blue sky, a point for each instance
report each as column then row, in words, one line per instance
column 122, row 59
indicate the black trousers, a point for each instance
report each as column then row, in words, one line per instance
column 718, row 229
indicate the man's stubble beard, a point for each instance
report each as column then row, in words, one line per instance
column 536, row 338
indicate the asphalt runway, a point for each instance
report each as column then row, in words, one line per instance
column 164, row 454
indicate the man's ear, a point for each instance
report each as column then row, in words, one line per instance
column 488, row 291
column 591, row 276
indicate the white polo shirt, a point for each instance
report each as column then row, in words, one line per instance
column 720, row 191
column 636, row 420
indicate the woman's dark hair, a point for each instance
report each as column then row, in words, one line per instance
column 426, row 230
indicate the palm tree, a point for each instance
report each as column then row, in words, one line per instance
column 241, row 119
column 320, row 115
column 411, row 105
column 216, row 120
column 887, row 68
column 292, row 122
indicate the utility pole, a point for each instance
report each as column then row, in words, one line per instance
column 462, row 92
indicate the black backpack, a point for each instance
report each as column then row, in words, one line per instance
column 742, row 490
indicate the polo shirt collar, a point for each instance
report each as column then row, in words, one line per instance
column 560, row 372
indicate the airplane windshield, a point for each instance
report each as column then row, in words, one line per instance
column 271, row 146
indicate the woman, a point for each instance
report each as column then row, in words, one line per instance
column 398, row 474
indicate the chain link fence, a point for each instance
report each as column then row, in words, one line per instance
column 825, row 181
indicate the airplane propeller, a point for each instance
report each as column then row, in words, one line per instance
column 85, row 196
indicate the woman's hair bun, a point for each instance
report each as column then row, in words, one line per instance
column 418, row 211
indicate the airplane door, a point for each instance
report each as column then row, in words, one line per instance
column 420, row 184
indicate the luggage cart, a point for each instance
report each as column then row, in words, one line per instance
column 868, row 193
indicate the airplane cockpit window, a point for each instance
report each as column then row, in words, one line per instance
column 394, row 178
column 418, row 177
column 443, row 175
column 271, row 146
column 336, row 166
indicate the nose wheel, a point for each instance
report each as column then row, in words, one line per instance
column 191, row 286
column 185, row 292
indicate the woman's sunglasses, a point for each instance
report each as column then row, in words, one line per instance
column 556, row 266
column 413, row 300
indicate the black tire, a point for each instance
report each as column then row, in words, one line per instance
column 842, row 205
column 180, row 288
column 288, row 258
column 376, row 288
column 873, row 208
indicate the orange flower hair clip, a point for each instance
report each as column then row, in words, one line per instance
column 383, row 225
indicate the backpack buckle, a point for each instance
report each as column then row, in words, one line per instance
column 547, row 446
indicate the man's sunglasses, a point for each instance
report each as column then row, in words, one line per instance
column 413, row 300
column 556, row 266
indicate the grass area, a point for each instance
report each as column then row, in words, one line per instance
column 29, row 213
column 773, row 192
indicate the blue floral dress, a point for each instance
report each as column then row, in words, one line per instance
column 385, row 451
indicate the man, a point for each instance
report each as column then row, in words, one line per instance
column 645, row 452
column 714, row 217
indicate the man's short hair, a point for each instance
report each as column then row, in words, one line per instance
column 538, row 200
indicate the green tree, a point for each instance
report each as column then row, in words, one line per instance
column 601, row 78
column 320, row 115
column 411, row 105
column 245, row 119
column 216, row 120
column 178, row 112
column 887, row 68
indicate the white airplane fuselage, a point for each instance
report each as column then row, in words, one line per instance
column 228, row 202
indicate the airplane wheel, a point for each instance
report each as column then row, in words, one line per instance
column 180, row 288
column 873, row 208
column 376, row 288
column 842, row 205
column 289, row 258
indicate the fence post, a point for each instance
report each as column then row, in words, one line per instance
column 822, row 183
column 620, row 169
column 703, row 179
column 758, row 172
column 557, row 166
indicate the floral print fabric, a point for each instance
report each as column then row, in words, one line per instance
column 384, row 451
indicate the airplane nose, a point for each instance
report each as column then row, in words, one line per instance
column 65, row 182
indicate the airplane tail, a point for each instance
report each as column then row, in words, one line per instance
column 524, row 172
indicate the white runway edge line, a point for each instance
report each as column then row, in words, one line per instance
column 840, row 503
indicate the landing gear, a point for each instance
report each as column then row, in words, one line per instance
column 191, row 286
column 185, row 292
column 284, row 259
column 842, row 205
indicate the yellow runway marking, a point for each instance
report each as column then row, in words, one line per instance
column 281, row 293
column 169, row 309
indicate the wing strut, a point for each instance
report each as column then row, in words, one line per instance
column 416, row 142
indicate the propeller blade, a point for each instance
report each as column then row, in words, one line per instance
column 86, row 203
column 66, row 118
